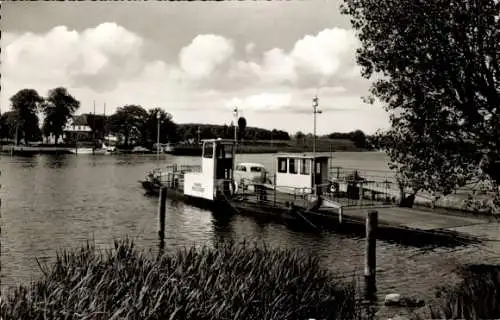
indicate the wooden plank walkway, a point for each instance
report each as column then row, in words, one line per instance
column 415, row 218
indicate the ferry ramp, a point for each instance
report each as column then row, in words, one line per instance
column 414, row 218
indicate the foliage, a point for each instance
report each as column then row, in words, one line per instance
column 208, row 131
column 242, row 125
column 168, row 129
column 436, row 65
column 58, row 108
column 8, row 123
column 98, row 124
column 358, row 137
column 475, row 298
column 129, row 121
column 26, row 103
column 226, row 282
column 299, row 135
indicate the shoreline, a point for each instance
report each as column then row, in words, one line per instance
column 180, row 150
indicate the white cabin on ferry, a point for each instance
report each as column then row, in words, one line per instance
column 216, row 174
column 301, row 172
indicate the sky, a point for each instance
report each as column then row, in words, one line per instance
column 196, row 60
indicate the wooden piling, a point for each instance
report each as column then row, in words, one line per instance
column 360, row 190
column 370, row 253
column 162, row 208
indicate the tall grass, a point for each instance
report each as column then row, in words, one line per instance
column 229, row 281
column 476, row 297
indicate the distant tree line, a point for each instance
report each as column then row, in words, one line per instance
column 207, row 131
column 133, row 124
column 358, row 138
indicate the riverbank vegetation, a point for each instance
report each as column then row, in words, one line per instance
column 226, row 282
column 440, row 86
column 476, row 297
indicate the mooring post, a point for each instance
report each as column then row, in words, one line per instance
column 341, row 212
column 162, row 208
column 370, row 253
column 274, row 194
column 361, row 194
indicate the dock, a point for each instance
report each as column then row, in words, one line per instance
column 416, row 218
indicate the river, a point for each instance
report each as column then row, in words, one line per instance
column 55, row 202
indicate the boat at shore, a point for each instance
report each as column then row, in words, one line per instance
column 299, row 194
column 104, row 149
column 246, row 187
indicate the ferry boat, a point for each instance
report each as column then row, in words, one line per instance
column 294, row 195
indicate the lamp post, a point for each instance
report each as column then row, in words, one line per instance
column 315, row 111
column 235, row 112
column 158, row 137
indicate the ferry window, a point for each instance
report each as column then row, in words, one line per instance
column 293, row 166
column 304, row 168
column 241, row 168
column 318, row 167
column 255, row 169
column 282, row 165
column 208, row 150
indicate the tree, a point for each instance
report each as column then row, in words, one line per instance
column 8, row 124
column 58, row 108
column 242, row 125
column 299, row 135
column 359, row 138
column 129, row 121
column 98, row 124
column 26, row 103
column 437, row 71
column 168, row 129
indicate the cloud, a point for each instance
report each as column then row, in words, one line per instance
column 107, row 63
column 204, row 54
column 96, row 58
column 262, row 101
column 313, row 60
column 250, row 47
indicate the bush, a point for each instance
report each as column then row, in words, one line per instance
column 226, row 282
column 477, row 297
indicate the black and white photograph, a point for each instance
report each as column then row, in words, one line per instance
column 267, row 160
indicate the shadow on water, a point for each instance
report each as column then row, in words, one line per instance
column 56, row 161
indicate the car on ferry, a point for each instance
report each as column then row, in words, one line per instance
column 247, row 173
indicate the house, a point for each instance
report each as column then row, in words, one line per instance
column 78, row 129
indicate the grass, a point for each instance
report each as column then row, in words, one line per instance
column 476, row 297
column 228, row 281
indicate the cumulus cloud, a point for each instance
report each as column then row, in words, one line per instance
column 313, row 60
column 204, row 54
column 106, row 63
column 96, row 57
column 261, row 102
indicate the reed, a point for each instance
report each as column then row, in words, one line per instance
column 476, row 297
column 228, row 281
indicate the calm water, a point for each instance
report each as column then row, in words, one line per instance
column 55, row 202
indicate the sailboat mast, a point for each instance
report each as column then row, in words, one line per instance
column 93, row 131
